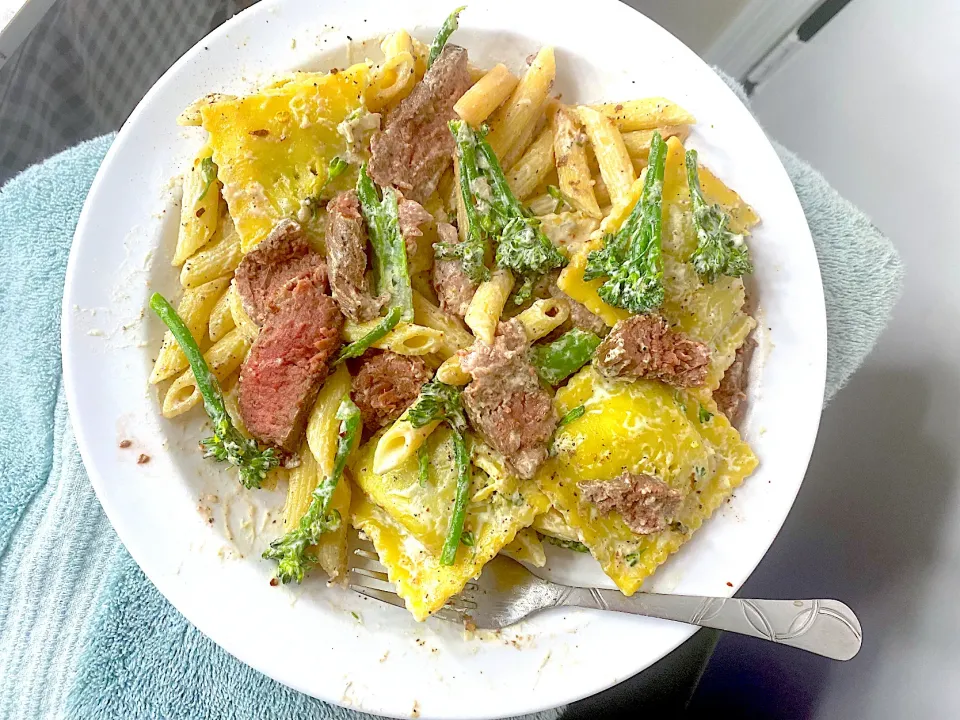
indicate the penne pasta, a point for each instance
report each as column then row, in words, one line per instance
column 543, row 317
column 404, row 339
column 573, row 170
column 534, row 166
column 400, row 441
column 241, row 320
column 194, row 309
column 487, row 304
column 552, row 523
column 455, row 337
column 616, row 167
column 217, row 259
column 526, row 548
column 199, row 206
column 542, row 204
column 524, row 106
column 637, row 142
column 502, row 479
column 221, row 317
column 420, row 53
column 517, row 150
column 223, row 358
column 645, row 114
column 451, row 373
column 486, row 95
column 395, row 77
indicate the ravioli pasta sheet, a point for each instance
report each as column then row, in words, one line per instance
column 642, row 427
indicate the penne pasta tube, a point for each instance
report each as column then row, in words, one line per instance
column 535, row 165
column 217, row 259
column 451, row 373
column 223, row 358
column 394, row 78
column 243, row 322
column 616, row 167
column 645, row 114
column 543, row 317
column 638, row 142
column 194, row 309
column 455, row 337
column 199, row 206
column 525, row 103
column 573, row 170
column 404, row 339
column 486, row 95
column 400, row 441
column 221, row 317
column 487, row 304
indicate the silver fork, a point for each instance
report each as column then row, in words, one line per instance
column 506, row 592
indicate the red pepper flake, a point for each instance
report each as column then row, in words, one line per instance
column 729, row 584
column 618, row 108
column 126, row 443
column 201, row 211
column 274, row 582
column 260, row 133
column 143, row 459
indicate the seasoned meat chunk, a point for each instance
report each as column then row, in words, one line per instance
column 289, row 361
column 346, row 241
column 282, row 255
column 416, row 146
column 505, row 402
column 646, row 502
column 413, row 217
column 643, row 346
column 732, row 391
column 386, row 385
column 454, row 288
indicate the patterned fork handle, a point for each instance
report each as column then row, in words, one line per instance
column 824, row 627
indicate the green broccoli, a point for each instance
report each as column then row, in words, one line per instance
column 719, row 251
column 227, row 443
column 358, row 347
column 446, row 30
column 292, row 551
column 439, row 401
column 632, row 258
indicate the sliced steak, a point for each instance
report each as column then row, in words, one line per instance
column 289, row 361
column 643, row 346
column 416, row 146
column 386, row 385
column 580, row 317
column 454, row 288
column 505, row 402
column 282, row 255
column 346, row 241
column 731, row 394
column 413, row 217
column 646, row 502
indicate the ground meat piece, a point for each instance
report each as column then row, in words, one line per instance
column 646, row 502
column 454, row 288
column 386, row 385
column 413, row 217
column 288, row 362
column 732, row 391
column 282, row 255
column 505, row 401
column 416, row 146
column 643, row 346
column 580, row 317
column 346, row 241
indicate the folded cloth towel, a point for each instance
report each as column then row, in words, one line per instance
column 84, row 634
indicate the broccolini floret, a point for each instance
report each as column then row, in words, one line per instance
column 292, row 551
column 632, row 258
column 493, row 211
column 719, row 250
column 439, row 401
column 446, row 30
column 227, row 443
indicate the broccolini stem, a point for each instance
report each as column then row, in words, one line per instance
column 358, row 347
column 557, row 361
column 719, row 251
column 566, row 544
column 227, row 443
column 446, row 30
column 292, row 551
column 390, row 252
column 574, row 414
column 449, row 553
column 208, row 170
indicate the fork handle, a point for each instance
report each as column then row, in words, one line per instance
column 824, row 627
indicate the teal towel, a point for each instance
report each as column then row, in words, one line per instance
column 84, row 634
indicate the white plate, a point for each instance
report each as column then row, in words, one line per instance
column 307, row 637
